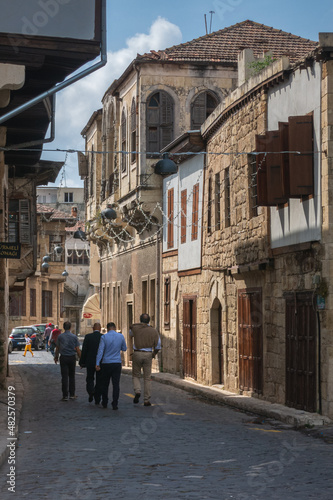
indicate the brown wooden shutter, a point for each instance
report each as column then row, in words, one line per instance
column 275, row 191
column 195, row 212
column 170, row 218
column 284, row 145
column 199, row 111
column 183, row 216
column 301, row 165
column 167, row 303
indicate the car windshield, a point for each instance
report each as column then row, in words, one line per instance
column 40, row 328
column 22, row 330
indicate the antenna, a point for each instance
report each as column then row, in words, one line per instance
column 206, row 23
column 211, row 17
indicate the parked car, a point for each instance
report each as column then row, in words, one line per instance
column 41, row 328
column 17, row 338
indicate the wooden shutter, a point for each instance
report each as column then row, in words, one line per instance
column 195, row 212
column 284, row 147
column 301, row 165
column 183, row 216
column 167, row 303
column 199, row 111
column 170, row 243
column 275, row 191
column 25, row 227
column 166, row 109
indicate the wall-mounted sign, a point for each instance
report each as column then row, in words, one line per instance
column 54, row 18
column 87, row 315
column 10, row 250
column 320, row 303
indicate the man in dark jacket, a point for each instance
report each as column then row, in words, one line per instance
column 88, row 361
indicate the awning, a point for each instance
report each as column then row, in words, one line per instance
column 91, row 309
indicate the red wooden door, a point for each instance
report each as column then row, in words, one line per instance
column 190, row 337
column 250, row 340
column 301, row 351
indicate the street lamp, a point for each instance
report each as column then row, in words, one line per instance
column 165, row 166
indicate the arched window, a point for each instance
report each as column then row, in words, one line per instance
column 159, row 121
column 202, row 106
column 133, row 131
column 123, row 141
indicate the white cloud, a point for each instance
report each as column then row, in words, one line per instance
column 76, row 104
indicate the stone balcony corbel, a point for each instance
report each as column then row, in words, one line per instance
column 12, row 77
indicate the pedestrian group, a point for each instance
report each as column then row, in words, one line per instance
column 101, row 356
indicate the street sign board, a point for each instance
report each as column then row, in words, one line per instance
column 10, row 250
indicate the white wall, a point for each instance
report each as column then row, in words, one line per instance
column 300, row 221
column 190, row 173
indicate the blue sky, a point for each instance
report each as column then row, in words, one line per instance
column 136, row 26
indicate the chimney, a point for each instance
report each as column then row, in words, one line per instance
column 74, row 212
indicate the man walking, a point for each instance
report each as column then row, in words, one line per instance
column 47, row 333
column 109, row 362
column 67, row 346
column 88, row 361
column 146, row 344
column 53, row 339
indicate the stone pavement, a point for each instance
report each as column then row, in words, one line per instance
column 311, row 423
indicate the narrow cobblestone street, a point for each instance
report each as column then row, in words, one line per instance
column 180, row 448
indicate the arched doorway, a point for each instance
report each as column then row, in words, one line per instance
column 216, row 342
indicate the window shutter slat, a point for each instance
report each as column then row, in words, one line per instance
column 284, row 146
column 301, row 165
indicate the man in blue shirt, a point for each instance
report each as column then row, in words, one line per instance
column 108, row 360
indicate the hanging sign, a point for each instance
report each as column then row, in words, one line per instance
column 10, row 250
column 87, row 315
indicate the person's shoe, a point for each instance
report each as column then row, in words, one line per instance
column 65, row 398
column 104, row 406
column 147, row 403
column 114, row 407
column 97, row 403
column 136, row 398
column 73, row 397
column 91, row 398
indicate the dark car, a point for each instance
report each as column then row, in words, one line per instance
column 41, row 328
column 17, row 338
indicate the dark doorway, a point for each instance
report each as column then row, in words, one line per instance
column 250, row 339
column 301, row 339
column 190, row 337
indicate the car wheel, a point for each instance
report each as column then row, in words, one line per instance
column 10, row 348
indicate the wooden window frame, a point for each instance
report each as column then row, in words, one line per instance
column 167, row 295
column 33, row 302
column 123, row 142
column 19, row 221
column 133, row 132
column 159, row 122
column 18, row 304
column 170, row 225
column 183, row 201
column 201, row 108
column 217, row 200
column 47, row 303
column 195, row 212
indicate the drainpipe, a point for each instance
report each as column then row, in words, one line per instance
column 51, row 112
column 71, row 80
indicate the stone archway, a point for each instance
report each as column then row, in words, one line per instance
column 216, row 342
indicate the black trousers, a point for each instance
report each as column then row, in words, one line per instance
column 67, row 367
column 110, row 371
column 93, row 382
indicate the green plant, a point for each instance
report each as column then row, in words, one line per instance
column 260, row 64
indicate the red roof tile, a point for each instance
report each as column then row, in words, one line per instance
column 224, row 45
column 53, row 213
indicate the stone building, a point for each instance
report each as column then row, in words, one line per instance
column 260, row 307
column 63, row 198
column 158, row 97
column 41, row 297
